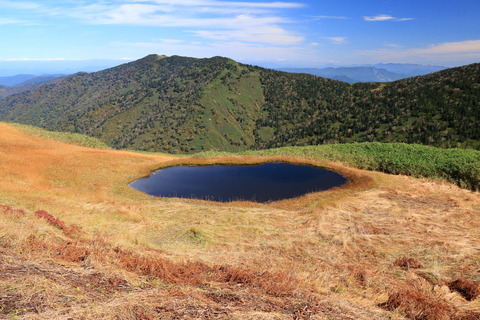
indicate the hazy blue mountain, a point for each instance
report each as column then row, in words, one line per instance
column 373, row 73
column 27, row 85
column 41, row 79
column 411, row 70
column 12, row 81
column 343, row 79
column 351, row 74
column 12, row 68
column 24, row 79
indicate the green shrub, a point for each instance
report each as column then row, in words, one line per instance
column 460, row 166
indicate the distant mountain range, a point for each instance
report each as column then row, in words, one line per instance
column 181, row 104
column 23, row 82
column 23, row 79
column 409, row 69
column 374, row 73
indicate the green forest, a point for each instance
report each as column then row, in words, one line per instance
column 186, row 105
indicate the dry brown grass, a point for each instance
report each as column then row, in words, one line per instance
column 418, row 305
column 407, row 263
column 76, row 242
column 468, row 289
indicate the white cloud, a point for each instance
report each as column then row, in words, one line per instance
column 161, row 16
column 384, row 17
column 336, row 40
column 209, row 19
column 11, row 21
column 329, row 17
column 19, row 5
column 469, row 46
column 216, row 3
column 264, row 34
column 213, row 22
column 443, row 52
column 392, row 45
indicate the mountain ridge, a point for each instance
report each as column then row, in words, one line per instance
column 24, row 83
column 351, row 74
column 182, row 104
column 384, row 72
column 23, row 79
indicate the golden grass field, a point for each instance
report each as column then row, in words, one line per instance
column 77, row 243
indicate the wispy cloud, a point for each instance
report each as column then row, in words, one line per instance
column 112, row 12
column 447, row 51
column 336, row 40
column 392, row 45
column 329, row 17
column 384, row 17
column 4, row 21
column 210, row 19
column 270, row 5
column 469, row 46
column 19, row 5
column 262, row 34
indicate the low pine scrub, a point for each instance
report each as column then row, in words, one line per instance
column 460, row 166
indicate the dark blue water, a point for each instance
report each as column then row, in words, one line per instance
column 260, row 183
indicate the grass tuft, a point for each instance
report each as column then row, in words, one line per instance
column 407, row 263
column 468, row 289
column 417, row 304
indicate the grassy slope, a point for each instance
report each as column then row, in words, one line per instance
column 66, row 137
column 134, row 256
column 230, row 106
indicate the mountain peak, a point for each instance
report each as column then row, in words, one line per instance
column 154, row 56
column 149, row 59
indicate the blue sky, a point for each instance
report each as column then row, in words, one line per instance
column 304, row 33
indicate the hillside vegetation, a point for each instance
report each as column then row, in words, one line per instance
column 178, row 104
column 459, row 166
column 440, row 109
column 76, row 242
column 6, row 91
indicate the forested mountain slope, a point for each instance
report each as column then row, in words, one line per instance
column 440, row 109
column 179, row 104
column 6, row 91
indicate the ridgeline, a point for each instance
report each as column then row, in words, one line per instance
column 186, row 105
